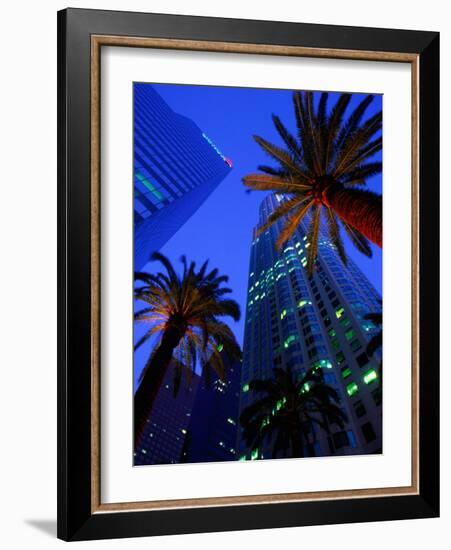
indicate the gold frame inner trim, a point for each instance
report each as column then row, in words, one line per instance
column 97, row 41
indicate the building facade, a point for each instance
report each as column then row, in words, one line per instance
column 165, row 435
column 212, row 431
column 176, row 167
column 300, row 322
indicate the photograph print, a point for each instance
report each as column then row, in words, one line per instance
column 257, row 274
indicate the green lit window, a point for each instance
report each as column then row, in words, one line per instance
column 345, row 322
column 254, row 454
column 368, row 325
column 352, row 389
column 283, row 314
column 265, row 422
column 370, row 376
column 339, row 312
column 149, row 186
column 220, row 347
column 289, row 341
column 245, row 388
column 322, row 364
column 302, row 303
column 331, row 332
column 242, row 458
column 345, row 372
column 350, row 333
column 280, row 403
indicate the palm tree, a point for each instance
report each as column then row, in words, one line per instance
column 287, row 409
column 320, row 171
column 186, row 311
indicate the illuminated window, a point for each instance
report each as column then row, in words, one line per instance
column 242, row 458
column 220, row 347
column 289, row 341
column 283, row 314
column 254, row 454
column 149, row 186
column 302, row 303
column 339, row 312
column 370, row 376
column 231, row 421
column 331, row 332
column 245, row 388
column 352, row 389
column 350, row 333
column 322, row 363
column 346, row 372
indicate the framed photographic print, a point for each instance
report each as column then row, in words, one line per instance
column 248, row 274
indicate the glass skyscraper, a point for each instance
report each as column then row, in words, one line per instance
column 176, row 167
column 213, row 425
column 300, row 322
column 164, row 437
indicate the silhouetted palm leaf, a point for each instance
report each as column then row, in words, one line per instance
column 321, row 168
column 286, row 409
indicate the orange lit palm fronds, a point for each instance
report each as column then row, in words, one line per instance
column 319, row 171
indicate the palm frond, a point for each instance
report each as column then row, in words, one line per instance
column 262, row 182
column 312, row 238
column 358, row 240
column 292, row 224
column 334, row 235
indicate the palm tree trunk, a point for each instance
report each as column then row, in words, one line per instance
column 359, row 208
column 147, row 391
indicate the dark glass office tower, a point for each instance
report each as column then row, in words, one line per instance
column 176, row 167
column 164, row 437
column 212, row 431
column 297, row 321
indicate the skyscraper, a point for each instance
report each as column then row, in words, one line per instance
column 164, row 436
column 300, row 322
column 176, row 167
column 212, row 431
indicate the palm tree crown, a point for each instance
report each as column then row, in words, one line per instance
column 186, row 311
column 286, row 410
column 320, row 171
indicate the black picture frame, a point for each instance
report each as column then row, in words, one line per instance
column 76, row 520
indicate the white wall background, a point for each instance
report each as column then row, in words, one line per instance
column 28, row 274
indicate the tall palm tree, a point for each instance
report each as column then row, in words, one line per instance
column 320, row 170
column 186, row 311
column 287, row 409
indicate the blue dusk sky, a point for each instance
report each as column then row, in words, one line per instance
column 221, row 230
